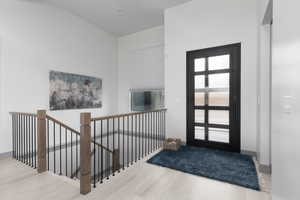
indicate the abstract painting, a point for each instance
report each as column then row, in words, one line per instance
column 72, row 91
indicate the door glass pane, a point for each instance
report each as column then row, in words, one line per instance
column 199, row 133
column 218, row 80
column 199, row 99
column 218, row 117
column 219, row 62
column 218, row 135
column 199, row 64
column 199, row 116
column 218, row 98
column 199, row 82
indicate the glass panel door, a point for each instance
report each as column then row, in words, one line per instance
column 213, row 97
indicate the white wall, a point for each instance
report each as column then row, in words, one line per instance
column 37, row 38
column 264, row 87
column 200, row 24
column 140, row 63
column 285, row 100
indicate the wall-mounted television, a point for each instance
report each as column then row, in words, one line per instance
column 146, row 99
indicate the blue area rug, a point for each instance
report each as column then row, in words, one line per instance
column 224, row 166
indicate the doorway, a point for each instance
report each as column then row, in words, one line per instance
column 213, row 97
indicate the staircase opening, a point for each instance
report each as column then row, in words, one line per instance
column 103, row 147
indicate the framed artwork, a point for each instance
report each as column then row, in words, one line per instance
column 73, row 91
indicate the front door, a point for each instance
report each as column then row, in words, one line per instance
column 213, row 97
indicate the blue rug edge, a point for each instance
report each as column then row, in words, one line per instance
column 149, row 161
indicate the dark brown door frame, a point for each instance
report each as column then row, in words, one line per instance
column 235, row 97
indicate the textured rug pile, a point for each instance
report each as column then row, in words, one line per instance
column 224, row 166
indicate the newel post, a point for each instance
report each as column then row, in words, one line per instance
column 85, row 153
column 41, row 141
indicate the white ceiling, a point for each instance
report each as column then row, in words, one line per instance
column 119, row 17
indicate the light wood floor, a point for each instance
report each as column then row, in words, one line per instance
column 140, row 181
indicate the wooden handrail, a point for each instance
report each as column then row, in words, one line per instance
column 23, row 113
column 76, row 132
column 62, row 124
column 125, row 115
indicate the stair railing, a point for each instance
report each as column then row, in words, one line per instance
column 24, row 138
column 102, row 147
column 131, row 137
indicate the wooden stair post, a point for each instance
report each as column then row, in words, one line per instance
column 41, row 141
column 85, row 153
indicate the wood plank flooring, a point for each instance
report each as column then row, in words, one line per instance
column 141, row 181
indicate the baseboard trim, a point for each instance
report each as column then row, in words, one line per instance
column 249, row 153
column 5, row 155
column 266, row 169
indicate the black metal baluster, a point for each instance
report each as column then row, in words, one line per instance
column 32, row 141
column 160, row 128
column 154, row 131
column 132, row 139
column 60, row 160
column 54, row 149
column 142, row 135
column 107, row 153
column 136, row 138
column 165, row 125
column 13, row 133
column 24, row 135
column 145, row 133
column 151, row 131
column 48, row 147
column 123, row 143
column 101, row 151
column 94, row 153
column 21, row 138
column 119, row 142
column 26, row 141
column 128, row 141
column 159, row 121
column 29, row 140
column 157, row 132
column 98, row 171
column 19, row 146
column 113, row 134
column 148, row 132
column 71, row 132
column 35, row 145
column 66, row 150
column 17, row 137
column 76, row 154
column 139, row 116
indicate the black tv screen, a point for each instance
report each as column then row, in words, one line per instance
column 143, row 100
